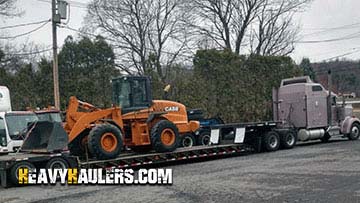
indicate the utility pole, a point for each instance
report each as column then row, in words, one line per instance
column 55, row 19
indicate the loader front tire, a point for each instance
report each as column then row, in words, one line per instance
column 164, row 136
column 104, row 141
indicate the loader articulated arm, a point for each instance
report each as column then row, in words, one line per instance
column 77, row 121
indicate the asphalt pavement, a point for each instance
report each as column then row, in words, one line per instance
column 312, row 172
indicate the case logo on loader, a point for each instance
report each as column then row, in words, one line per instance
column 171, row 108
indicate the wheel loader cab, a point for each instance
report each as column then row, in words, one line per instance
column 132, row 93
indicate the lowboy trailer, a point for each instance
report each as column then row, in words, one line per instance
column 302, row 110
column 238, row 139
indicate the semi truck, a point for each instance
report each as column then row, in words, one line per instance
column 302, row 110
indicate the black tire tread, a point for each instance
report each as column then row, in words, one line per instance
column 155, row 134
column 266, row 144
column 95, row 146
column 349, row 135
column 191, row 137
column 13, row 171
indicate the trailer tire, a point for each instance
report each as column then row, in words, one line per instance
column 104, row 141
column 164, row 136
column 354, row 131
column 288, row 140
column 271, row 141
column 14, row 174
column 204, row 138
column 187, row 140
column 57, row 163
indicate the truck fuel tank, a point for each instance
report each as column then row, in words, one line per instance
column 305, row 135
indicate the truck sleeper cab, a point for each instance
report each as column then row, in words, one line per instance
column 306, row 106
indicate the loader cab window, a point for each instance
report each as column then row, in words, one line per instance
column 131, row 93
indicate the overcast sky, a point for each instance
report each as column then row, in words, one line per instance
column 323, row 20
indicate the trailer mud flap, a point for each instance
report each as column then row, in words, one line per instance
column 45, row 136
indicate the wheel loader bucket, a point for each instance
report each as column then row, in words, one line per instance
column 45, row 136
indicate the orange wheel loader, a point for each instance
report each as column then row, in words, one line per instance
column 135, row 121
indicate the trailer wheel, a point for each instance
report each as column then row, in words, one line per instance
column 57, row 163
column 204, row 138
column 164, row 136
column 355, row 132
column 104, row 141
column 271, row 141
column 14, row 171
column 288, row 140
column 188, row 140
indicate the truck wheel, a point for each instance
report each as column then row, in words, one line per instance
column 355, row 132
column 204, row 138
column 14, row 171
column 164, row 136
column 57, row 163
column 288, row 140
column 271, row 141
column 325, row 138
column 104, row 141
column 188, row 140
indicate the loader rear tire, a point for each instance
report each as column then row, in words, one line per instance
column 14, row 171
column 104, row 141
column 164, row 136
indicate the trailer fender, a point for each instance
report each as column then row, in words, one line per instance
column 347, row 123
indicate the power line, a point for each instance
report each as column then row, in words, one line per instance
column 112, row 40
column 71, row 3
column 22, row 25
column 29, row 53
column 356, row 50
column 26, row 33
column 347, row 37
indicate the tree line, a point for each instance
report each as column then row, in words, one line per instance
column 221, row 56
column 85, row 69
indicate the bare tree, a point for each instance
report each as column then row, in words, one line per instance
column 229, row 23
column 275, row 33
column 8, row 9
column 225, row 21
column 147, row 35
